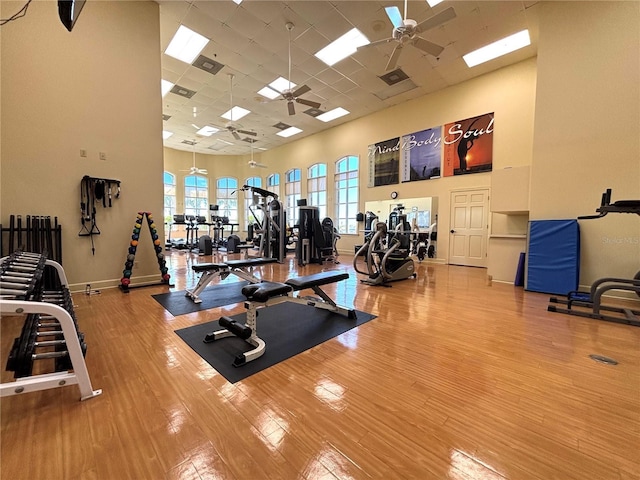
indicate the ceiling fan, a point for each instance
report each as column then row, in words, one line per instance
column 253, row 163
column 290, row 95
column 230, row 126
column 405, row 32
column 195, row 170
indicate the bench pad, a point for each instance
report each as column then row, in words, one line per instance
column 205, row 267
column 317, row 279
column 261, row 292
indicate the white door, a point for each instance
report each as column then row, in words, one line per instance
column 469, row 228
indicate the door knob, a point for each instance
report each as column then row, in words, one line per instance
column 453, row 231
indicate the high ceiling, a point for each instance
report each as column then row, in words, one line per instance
column 251, row 41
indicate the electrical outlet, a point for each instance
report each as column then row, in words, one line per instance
column 83, row 153
column 103, row 156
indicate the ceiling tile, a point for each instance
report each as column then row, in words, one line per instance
column 253, row 45
column 333, row 27
column 312, row 12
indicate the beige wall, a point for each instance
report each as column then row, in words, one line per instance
column 509, row 92
column 587, row 127
column 95, row 88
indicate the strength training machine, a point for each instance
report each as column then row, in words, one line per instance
column 266, row 294
column 589, row 304
column 271, row 225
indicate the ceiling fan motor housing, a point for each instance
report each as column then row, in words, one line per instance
column 407, row 29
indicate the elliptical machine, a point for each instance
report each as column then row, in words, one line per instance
column 387, row 253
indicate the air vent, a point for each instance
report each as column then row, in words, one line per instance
column 249, row 140
column 395, row 90
column 393, row 77
column 217, row 146
column 189, row 142
column 314, row 112
column 183, row 92
column 166, row 117
column 281, row 126
column 207, row 64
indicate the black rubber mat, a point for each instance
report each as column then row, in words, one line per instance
column 213, row 296
column 287, row 329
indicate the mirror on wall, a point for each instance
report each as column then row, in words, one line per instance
column 422, row 215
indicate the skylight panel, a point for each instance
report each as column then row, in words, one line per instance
column 269, row 93
column 281, row 84
column 333, row 114
column 186, row 45
column 207, row 131
column 166, row 86
column 236, row 113
column 497, row 49
column 341, row 48
column 289, row 132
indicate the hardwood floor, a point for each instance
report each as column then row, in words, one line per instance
column 455, row 379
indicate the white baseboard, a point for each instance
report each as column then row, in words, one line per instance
column 114, row 283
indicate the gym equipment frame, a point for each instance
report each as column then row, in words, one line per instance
column 266, row 294
column 14, row 303
column 211, row 271
column 589, row 304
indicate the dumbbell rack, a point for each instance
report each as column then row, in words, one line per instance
column 21, row 293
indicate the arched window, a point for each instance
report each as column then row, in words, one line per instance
column 226, row 199
column 273, row 183
column 248, row 216
column 196, row 195
column 317, row 187
column 292, row 195
column 169, row 197
column 346, row 178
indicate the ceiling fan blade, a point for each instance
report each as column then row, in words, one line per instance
column 308, row 103
column 394, row 16
column 292, row 110
column 235, row 134
column 437, row 19
column 301, row 90
column 427, row 46
column 393, row 59
column 247, row 132
column 377, row 42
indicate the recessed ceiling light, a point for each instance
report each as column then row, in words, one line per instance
column 269, row 93
column 186, row 45
column 281, row 84
column 166, row 86
column 333, row 114
column 224, row 141
column 497, row 49
column 289, row 132
column 262, row 148
column 433, row 3
column 344, row 46
column 236, row 113
column 237, row 2
column 207, row 131
column 166, row 134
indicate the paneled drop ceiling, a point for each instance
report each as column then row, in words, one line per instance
column 251, row 42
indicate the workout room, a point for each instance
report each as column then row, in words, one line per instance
column 394, row 264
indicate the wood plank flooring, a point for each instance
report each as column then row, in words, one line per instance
column 455, row 379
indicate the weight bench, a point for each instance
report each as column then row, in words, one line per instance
column 210, row 271
column 265, row 294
